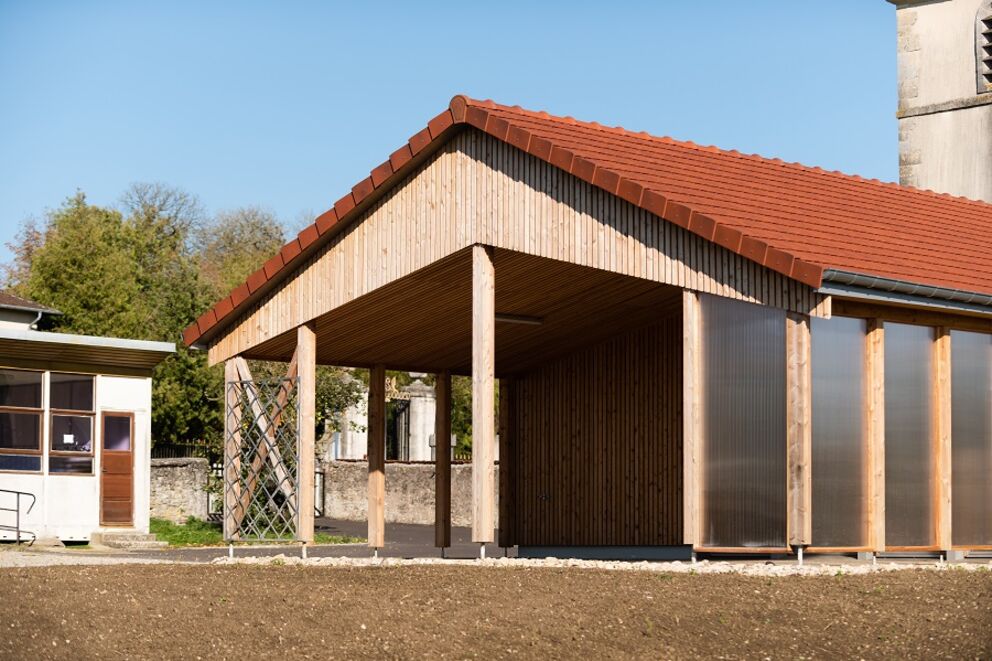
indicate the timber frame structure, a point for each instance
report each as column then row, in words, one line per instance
column 587, row 268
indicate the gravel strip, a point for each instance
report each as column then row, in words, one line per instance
column 752, row 568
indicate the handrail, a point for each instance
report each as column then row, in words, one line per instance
column 16, row 528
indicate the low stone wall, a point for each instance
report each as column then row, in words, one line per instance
column 409, row 492
column 177, row 488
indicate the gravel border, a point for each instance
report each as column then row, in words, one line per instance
column 753, row 568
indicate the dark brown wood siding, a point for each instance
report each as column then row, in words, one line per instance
column 597, row 443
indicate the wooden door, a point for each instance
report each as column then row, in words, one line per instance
column 117, row 472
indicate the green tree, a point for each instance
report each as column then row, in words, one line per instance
column 234, row 245
column 128, row 273
column 147, row 270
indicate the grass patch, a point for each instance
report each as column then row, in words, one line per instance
column 196, row 532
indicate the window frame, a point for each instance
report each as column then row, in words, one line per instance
column 75, row 413
column 39, row 451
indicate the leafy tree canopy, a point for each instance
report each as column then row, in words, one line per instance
column 145, row 271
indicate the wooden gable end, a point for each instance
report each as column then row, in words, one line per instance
column 479, row 190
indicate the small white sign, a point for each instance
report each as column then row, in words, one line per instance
column 68, row 439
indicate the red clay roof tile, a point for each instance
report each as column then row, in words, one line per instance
column 382, row 174
column 327, row 220
column 290, row 251
column 794, row 219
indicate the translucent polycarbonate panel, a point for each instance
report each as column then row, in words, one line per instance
column 971, row 438
column 908, row 436
column 839, row 450
column 743, row 424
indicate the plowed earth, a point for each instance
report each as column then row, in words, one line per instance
column 239, row 612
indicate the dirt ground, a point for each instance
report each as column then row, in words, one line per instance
column 235, row 612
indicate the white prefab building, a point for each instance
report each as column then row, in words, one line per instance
column 75, row 429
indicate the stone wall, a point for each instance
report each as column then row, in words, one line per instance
column 177, row 488
column 409, row 492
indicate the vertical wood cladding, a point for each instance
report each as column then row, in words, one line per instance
column 597, row 450
column 479, row 190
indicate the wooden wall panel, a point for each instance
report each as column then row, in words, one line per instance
column 478, row 190
column 597, row 452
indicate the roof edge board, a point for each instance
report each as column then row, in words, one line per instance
column 847, row 284
column 87, row 340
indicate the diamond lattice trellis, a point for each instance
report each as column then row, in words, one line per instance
column 261, row 460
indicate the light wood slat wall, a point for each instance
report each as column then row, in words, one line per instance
column 597, row 451
column 477, row 189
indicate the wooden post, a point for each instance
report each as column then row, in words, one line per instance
column 800, row 428
column 691, row 418
column 483, row 393
column 875, row 421
column 506, row 495
column 942, row 438
column 442, row 460
column 232, row 451
column 377, row 456
column 306, row 366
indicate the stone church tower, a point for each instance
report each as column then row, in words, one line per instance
column 945, row 95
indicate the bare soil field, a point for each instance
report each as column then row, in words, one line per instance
column 244, row 611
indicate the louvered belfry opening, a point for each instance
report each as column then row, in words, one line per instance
column 985, row 47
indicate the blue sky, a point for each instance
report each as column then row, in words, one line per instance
column 286, row 105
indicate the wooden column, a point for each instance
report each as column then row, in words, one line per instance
column 483, row 393
column 306, row 367
column 799, row 384
column 506, row 491
column 232, row 450
column 377, row 456
column 442, row 460
column 942, row 438
column 875, row 422
column 692, row 339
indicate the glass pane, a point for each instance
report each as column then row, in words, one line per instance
column 17, row 462
column 971, row 438
column 839, row 443
column 20, row 431
column 73, row 392
column 20, row 388
column 744, row 426
column 58, row 464
column 72, row 433
column 908, row 456
column 116, row 433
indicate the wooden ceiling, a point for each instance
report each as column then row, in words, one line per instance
column 424, row 321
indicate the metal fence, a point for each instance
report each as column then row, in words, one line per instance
column 199, row 449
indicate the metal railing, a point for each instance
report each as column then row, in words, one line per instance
column 16, row 528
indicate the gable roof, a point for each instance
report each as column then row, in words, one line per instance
column 799, row 221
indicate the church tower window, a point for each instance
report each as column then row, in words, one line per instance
column 983, row 49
